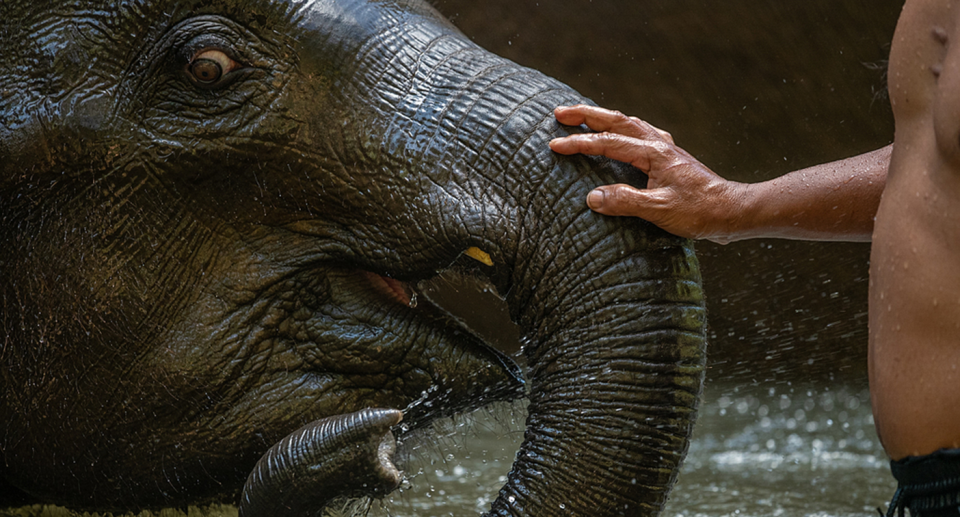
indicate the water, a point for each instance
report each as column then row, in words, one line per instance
column 782, row 451
column 459, row 467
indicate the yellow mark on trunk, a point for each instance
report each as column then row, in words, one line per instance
column 478, row 254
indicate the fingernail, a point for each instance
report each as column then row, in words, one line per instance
column 595, row 199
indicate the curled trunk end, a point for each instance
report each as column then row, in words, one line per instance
column 343, row 455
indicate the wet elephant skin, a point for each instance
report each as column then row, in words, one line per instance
column 214, row 214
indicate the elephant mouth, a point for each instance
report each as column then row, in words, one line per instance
column 460, row 388
column 392, row 288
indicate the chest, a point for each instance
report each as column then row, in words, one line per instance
column 924, row 76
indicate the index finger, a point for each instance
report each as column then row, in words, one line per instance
column 602, row 119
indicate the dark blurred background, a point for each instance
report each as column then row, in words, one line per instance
column 754, row 89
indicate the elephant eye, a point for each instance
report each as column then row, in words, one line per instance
column 208, row 66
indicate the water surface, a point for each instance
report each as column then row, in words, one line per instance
column 783, row 451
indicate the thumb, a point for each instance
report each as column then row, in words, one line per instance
column 624, row 200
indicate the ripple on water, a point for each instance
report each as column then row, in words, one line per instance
column 784, row 451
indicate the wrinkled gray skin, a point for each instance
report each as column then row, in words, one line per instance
column 196, row 265
column 335, row 457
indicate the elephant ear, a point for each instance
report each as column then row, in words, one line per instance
column 340, row 456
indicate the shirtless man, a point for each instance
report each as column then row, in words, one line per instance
column 906, row 197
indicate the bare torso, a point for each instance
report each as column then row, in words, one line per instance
column 915, row 263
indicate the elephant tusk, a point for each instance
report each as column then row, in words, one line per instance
column 479, row 255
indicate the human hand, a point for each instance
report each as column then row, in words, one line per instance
column 683, row 196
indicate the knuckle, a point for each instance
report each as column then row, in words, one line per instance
column 663, row 147
column 598, row 139
column 637, row 125
column 610, row 139
column 624, row 198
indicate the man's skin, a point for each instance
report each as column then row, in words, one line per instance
column 912, row 188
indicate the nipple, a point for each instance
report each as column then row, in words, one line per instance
column 940, row 35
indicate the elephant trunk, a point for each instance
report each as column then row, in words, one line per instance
column 611, row 309
column 614, row 320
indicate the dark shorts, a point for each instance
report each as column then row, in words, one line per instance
column 929, row 486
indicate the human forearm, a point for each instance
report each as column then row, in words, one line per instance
column 835, row 201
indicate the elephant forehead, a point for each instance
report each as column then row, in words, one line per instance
column 36, row 34
column 361, row 14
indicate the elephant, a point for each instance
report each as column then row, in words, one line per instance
column 217, row 214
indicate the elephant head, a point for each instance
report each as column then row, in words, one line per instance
column 214, row 214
